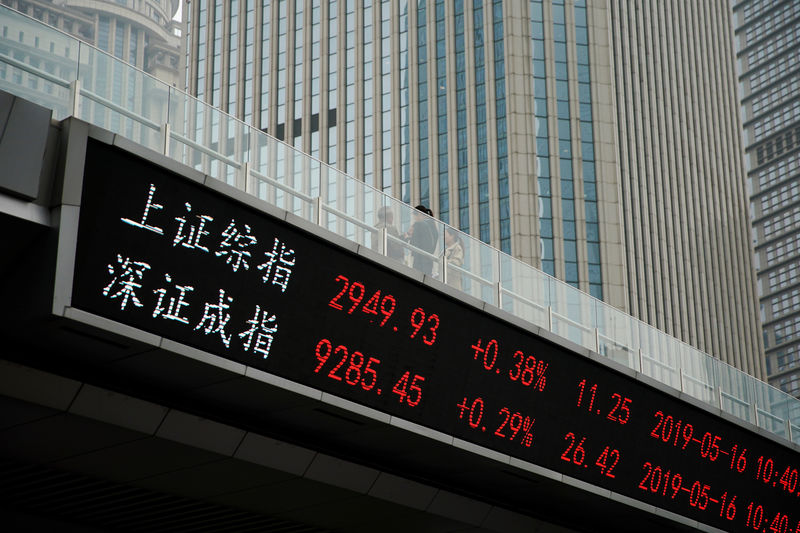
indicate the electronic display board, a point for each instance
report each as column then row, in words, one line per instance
column 162, row 253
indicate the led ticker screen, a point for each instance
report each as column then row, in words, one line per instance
column 161, row 253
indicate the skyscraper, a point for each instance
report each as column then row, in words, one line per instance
column 768, row 41
column 141, row 33
column 595, row 140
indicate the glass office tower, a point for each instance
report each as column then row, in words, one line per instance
column 768, row 41
column 596, row 140
column 140, row 32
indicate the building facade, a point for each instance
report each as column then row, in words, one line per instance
column 138, row 32
column 592, row 138
column 768, row 43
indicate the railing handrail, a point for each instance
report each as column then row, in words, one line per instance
column 36, row 71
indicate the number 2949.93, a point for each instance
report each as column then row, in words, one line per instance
column 380, row 308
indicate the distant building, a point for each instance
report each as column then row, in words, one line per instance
column 140, row 32
column 768, row 42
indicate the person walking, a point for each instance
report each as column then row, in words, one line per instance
column 453, row 255
column 422, row 235
column 386, row 220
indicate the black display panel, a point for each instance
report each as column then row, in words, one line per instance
column 161, row 253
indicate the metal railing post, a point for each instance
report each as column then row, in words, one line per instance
column 317, row 206
column 75, row 96
column 165, row 135
column 244, row 176
column 550, row 318
column 499, row 288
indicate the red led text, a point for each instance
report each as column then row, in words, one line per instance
column 576, row 454
column 525, row 369
column 618, row 412
column 511, row 425
column 352, row 299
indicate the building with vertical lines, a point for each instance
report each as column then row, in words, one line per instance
column 597, row 140
column 768, row 42
column 141, row 33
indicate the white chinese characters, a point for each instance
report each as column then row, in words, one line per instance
column 182, row 295
column 126, row 277
column 279, row 265
column 235, row 245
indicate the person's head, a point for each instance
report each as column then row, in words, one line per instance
column 420, row 211
column 451, row 236
column 385, row 214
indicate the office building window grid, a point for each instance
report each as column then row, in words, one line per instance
column 790, row 384
column 405, row 98
column 297, row 76
column 502, row 133
column 778, row 145
column 368, row 91
column 541, row 128
column 424, row 124
column 784, row 222
column 785, row 303
column 266, row 73
column 774, row 45
column 784, row 331
column 783, row 249
column 587, row 151
column 202, row 51
column 565, row 136
column 780, row 171
column 564, row 131
column 759, row 7
column 784, row 359
column 782, row 277
column 462, row 172
column 333, row 82
column 769, row 45
column 442, row 114
column 776, row 120
column 779, row 198
column 777, row 18
column 770, row 72
column 777, row 95
column 282, row 77
column 316, row 71
column 481, row 126
column 233, row 58
column 216, row 55
column 249, row 57
column 350, row 86
column 386, row 95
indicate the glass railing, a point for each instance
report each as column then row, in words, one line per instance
column 43, row 65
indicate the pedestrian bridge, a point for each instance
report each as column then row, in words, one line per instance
column 222, row 331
